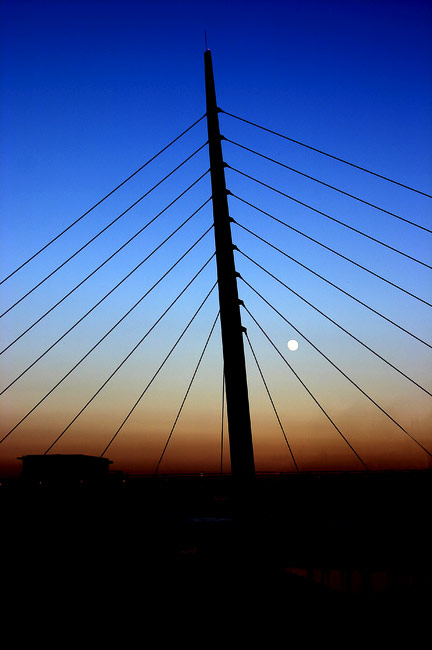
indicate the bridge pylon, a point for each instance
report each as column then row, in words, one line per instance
column 236, row 388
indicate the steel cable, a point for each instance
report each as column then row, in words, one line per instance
column 271, row 401
column 324, row 153
column 157, row 372
column 186, row 395
column 99, row 303
column 101, row 200
column 307, row 389
column 90, row 241
column 337, row 324
column 335, row 286
column 59, row 302
column 347, row 259
column 339, row 369
column 131, row 352
column 99, row 342
column 337, row 189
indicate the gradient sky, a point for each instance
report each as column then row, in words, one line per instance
column 91, row 90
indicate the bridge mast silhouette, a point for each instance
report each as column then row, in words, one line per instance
column 236, row 388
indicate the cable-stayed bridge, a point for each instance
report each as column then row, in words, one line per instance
column 111, row 340
column 112, row 348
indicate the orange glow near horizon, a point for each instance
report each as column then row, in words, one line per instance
column 195, row 447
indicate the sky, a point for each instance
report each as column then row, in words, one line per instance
column 92, row 90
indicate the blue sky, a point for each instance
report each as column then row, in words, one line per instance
column 89, row 92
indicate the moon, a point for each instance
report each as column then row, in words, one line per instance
column 293, row 345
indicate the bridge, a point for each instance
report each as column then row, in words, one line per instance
column 106, row 324
column 112, row 326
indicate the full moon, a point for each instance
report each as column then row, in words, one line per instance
column 292, row 345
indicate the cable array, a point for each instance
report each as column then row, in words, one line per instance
column 307, row 389
column 130, row 353
column 293, row 259
column 100, row 340
column 332, row 363
column 261, row 267
column 343, row 329
column 186, row 394
column 271, row 400
column 110, row 292
column 337, row 189
column 329, row 155
column 157, row 371
column 259, row 155
column 345, row 257
column 60, row 234
column 336, row 253
column 98, row 234
column 108, row 259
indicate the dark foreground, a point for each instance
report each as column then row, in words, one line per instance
column 189, row 558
